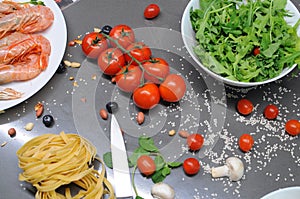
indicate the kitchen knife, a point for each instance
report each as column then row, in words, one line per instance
column 122, row 181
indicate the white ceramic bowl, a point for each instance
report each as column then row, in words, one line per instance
column 188, row 36
column 284, row 193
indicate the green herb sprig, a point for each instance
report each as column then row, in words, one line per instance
column 34, row 2
column 146, row 147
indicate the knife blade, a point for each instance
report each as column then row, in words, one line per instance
column 122, row 181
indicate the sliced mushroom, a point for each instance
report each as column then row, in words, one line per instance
column 162, row 191
column 234, row 169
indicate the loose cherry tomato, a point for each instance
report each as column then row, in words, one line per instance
column 111, row 61
column 146, row 165
column 195, row 141
column 151, row 11
column 271, row 111
column 123, row 34
column 173, row 88
column 93, row 44
column 246, row 142
column 292, row 127
column 191, row 166
column 256, row 51
column 129, row 78
column 244, row 106
column 140, row 51
column 147, row 96
column 156, row 70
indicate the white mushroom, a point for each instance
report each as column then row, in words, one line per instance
column 162, row 191
column 234, row 169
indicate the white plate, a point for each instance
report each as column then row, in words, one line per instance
column 57, row 35
column 188, row 36
column 285, row 193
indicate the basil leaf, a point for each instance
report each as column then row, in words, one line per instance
column 148, row 144
column 107, row 158
column 165, row 171
column 174, row 164
column 158, row 177
column 135, row 156
column 159, row 162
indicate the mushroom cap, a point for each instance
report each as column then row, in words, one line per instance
column 162, row 191
column 236, row 168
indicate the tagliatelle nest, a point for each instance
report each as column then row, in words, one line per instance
column 50, row 161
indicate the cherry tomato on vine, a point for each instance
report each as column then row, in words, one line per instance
column 195, row 141
column 146, row 96
column 122, row 34
column 271, row 111
column 151, row 11
column 191, row 166
column 244, row 106
column 140, row 51
column 93, row 44
column 173, row 88
column 292, row 127
column 156, row 70
column 129, row 78
column 246, row 142
column 146, row 165
column 111, row 61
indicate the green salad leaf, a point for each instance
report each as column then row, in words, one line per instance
column 228, row 31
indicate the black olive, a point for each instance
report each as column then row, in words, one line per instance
column 112, row 107
column 106, row 29
column 61, row 68
column 48, row 120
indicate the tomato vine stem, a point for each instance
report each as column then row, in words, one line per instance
column 133, row 59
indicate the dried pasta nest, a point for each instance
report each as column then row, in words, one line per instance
column 50, row 161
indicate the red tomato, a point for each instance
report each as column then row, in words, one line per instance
column 191, row 166
column 292, row 127
column 151, row 11
column 256, row 51
column 195, row 141
column 123, row 34
column 156, row 70
column 111, row 61
column 173, row 88
column 129, row 78
column 147, row 96
column 271, row 111
column 93, row 44
column 140, row 51
column 244, row 106
column 146, row 165
column 246, row 142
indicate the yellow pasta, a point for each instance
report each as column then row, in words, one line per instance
column 50, row 161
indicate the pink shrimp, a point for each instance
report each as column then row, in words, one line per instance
column 17, row 45
column 29, row 65
column 7, row 7
column 27, row 20
column 14, row 52
column 21, row 71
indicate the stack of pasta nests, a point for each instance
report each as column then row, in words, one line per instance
column 52, row 160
